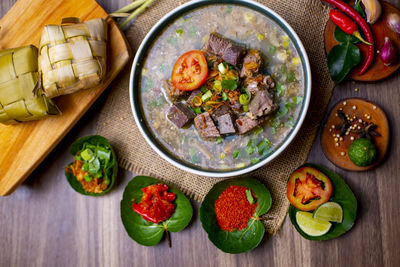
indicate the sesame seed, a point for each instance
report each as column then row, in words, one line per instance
column 360, row 120
column 354, row 117
column 341, row 139
column 333, row 126
column 338, row 135
column 374, row 107
column 340, row 109
column 342, row 153
column 352, row 138
column 333, row 135
column 330, row 130
column 359, row 127
column 356, row 89
column 336, row 139
column 354, row 108
column 344, row 103
column 368, row 117
column 337, row 144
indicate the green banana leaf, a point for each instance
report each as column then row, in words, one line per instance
column 111, row 168
column 236, row 241
column 343, row 195
column 21, row 97
column 148, row 233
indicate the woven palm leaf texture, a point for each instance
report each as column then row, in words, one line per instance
column 72, row 56
column 21, row 98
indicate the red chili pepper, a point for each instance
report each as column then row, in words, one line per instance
column 351, row 12
column 155, row 205
column 346, row 24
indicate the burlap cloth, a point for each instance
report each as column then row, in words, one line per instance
column 116, row 121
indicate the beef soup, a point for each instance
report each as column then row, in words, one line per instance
column 241, row 122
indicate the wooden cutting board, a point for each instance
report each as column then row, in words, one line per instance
column 24, row 146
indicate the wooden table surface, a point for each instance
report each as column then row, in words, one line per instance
column 45, row 223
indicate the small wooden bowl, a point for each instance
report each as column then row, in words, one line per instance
column 338, row 155
column 377, row 71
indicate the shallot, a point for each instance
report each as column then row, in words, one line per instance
column 388, row 52
column 393, row 22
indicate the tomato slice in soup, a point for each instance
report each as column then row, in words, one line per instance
column 308, row 188
column 190, row 71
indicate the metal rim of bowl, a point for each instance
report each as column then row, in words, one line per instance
column 201, row 3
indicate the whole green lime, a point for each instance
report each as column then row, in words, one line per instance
column 362, row 152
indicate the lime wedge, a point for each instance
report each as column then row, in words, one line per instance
column 329, row 211
column 311, row 226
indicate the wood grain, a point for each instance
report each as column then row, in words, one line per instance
column 45, row 223
column 29, row 143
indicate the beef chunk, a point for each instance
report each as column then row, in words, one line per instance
column 262, row 104
column 226, row 124
column 172, row 93
column 222, row 47
column 222, row 110
column 180, row 114
column 252, row 64
column 245, row 124
column 205, row 126
column 192, row 95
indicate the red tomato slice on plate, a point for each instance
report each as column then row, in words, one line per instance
column 308, row 188
column 190, row 71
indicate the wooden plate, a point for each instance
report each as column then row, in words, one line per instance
column 328, row 135
column 377, row 71
column 25, row 145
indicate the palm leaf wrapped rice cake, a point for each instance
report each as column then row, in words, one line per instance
column 18, row 80
column 72, row 57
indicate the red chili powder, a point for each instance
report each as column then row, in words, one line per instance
column 233, row 209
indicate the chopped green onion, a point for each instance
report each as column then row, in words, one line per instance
column 291, row 77
column 222, row 68
column 206, row 96
column 244, row 99
column 258, row 130
column 260, row 36
column 263, row 146
column 217, row 85
column 172, row 40
column 192, row 153
column 192, row 32
column 272, row 49
column 179, row 32
column 254, row 160
column 280, row 89
column 235, row 154
column 250, row 150
column 225, row 96
column 197, row 110
column 87, row 154
column 228, row 9
column 203, row 89
column 219, row 140
column 245, row 108
column 85, row 167
column 87, row 178
column 249, row 196
column 222, row 156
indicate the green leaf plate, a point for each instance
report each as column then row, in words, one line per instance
column 76, row 147
column 343, row 195
column 148, row 233
column 235, row 241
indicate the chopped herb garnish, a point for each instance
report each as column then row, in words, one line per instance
column 291, row 77
column 203, row 89
column 163, row 68
column 249, row 196
column 297, row 99
column 172, row 40
column 235, row 154
column 206, row 96
column 263, row 146
column 272, row 49
column 229, row 84
column 219, row 140
column 258, row 130
column 250, row 149
column 147, row 84
column 254, row 160
column 280, row 89
column 228, row 9
column 290, row 122
column 192, row 32
column 222, row 156
column 224, row 96
column 179, row 32
column 197, row 110
column 193, row 156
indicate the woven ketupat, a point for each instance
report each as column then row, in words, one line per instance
column 18, row 79
column 73, row 56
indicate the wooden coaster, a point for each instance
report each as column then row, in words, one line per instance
column 336, row 147
column 377, row 71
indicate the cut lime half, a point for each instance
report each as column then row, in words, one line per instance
column 329, row 211
column 311, row 226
